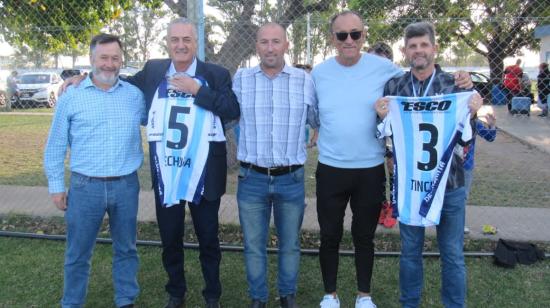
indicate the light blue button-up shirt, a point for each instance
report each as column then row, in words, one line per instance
column 102, row 130
column 274, row 112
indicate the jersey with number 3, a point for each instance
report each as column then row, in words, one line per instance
column 425, row 131
column 179, row 132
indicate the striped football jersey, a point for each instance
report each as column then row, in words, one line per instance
column 425, row 131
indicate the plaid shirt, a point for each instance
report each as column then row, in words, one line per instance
column 102, row 129
column 274, row 112
column 443, row 83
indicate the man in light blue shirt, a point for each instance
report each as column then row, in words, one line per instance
column 276, row 102
column 100, row 123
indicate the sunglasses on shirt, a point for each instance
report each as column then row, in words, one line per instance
column 342, row 36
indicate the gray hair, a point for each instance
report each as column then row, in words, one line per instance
column 104, row 38
column 419, row 29
column 182, row 21
column 333, row 18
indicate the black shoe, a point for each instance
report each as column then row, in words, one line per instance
column 543, row 115
column 127, row 306
column 175, row 302
column 212, row 303
column 256, row 303
column 288, row 301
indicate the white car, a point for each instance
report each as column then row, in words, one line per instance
column 38, row 87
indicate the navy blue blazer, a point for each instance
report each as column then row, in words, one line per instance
column 218, row 97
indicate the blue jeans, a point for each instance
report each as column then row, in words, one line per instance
column 257, row 195
column 450, row 239
column 88, row 201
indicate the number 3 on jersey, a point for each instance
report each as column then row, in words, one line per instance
column 181, row 127
column 428, row 146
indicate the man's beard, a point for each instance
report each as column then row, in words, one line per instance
column 428, row 61
column 100, row 76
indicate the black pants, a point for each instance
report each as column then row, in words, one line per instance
column 171, row 226
column 364, row 190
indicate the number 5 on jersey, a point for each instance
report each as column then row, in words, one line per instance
column 181, row 127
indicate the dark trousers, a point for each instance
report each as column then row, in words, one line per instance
column 171, row 226
column 364, row 190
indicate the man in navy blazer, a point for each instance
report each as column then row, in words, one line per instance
column 218, row 98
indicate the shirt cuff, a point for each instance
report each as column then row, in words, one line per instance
column 55, row 187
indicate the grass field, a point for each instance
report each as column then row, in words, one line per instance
column 31, row 270
column 22, row 146
column 500, row 179
column 31, row 276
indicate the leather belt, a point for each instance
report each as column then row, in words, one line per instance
column 106, row 178
column 275, row 171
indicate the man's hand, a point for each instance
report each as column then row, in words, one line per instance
column 463, row 80
column 489, row 119
column 185, row 84
column 60, row 201
column 381, row 107
column 475, row 103
column 74, row 80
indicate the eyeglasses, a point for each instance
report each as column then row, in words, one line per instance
column 342, row 36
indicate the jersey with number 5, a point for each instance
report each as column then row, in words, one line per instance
column 425, row 131
column 179, row 132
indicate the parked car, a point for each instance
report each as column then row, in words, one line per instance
column 70, row 73
column 482, row 84
column 38, row 88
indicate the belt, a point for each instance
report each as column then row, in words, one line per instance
column 275, row 171
column 106, row 178
column 103, row 178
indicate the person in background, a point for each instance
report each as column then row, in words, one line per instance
column 386, row 218
column 512, row 82
column 487, row 131
column 381, row 49
column 526, row 87
column 307, row 68
column 11, row 84
column 543, row 88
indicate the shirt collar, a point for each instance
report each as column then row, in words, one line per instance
column 87, row 82
column 191, row 70
column 286, row 69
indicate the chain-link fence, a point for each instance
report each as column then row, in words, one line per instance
column 47, row 41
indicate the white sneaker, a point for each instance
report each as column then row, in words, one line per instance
column 330, row 301
column 364, row 302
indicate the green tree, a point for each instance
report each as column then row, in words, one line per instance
column 138, row 29
column 49, row 26
column 25, row 56
column 239, row 20
column 495, row 29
